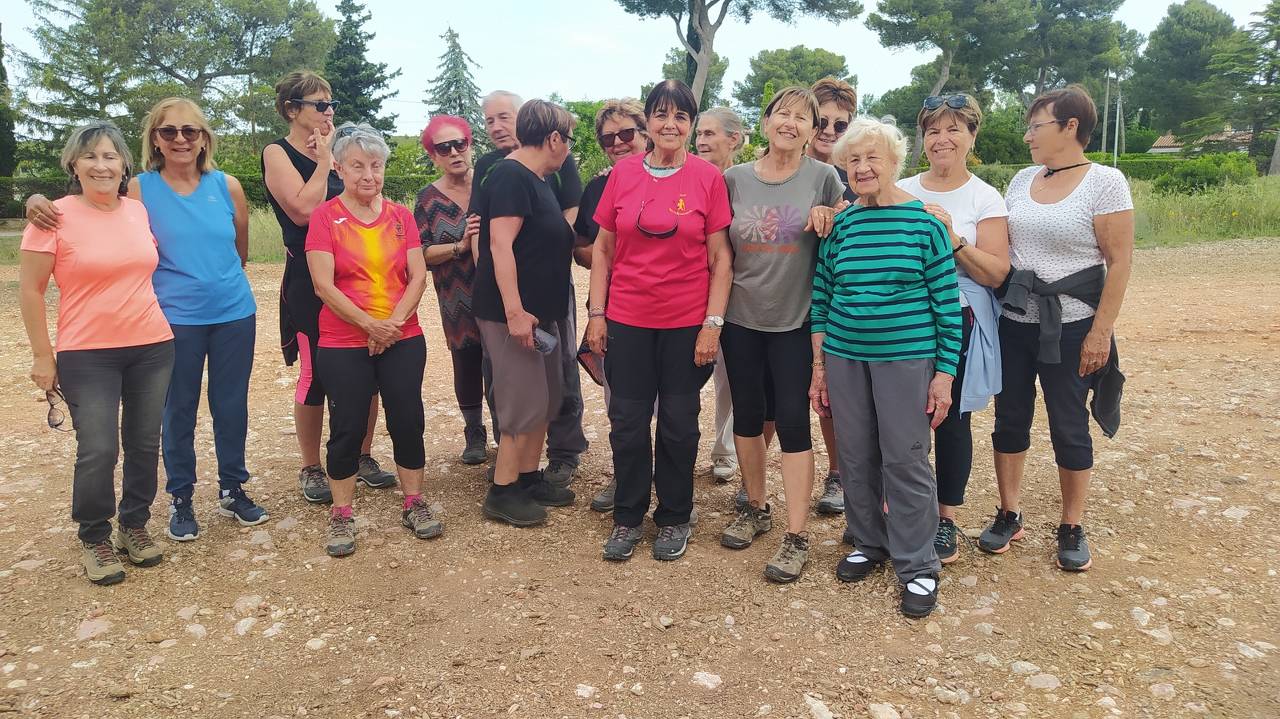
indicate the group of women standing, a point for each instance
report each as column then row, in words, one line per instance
column 891, row 308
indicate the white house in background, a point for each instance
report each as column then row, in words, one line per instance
column 1236, row 141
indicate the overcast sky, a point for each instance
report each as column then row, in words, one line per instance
column 591, row 49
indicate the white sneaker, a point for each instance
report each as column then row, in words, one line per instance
column 723, row 468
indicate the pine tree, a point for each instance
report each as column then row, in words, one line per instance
column 8, row 142
column 454, row 90
column 358, row 85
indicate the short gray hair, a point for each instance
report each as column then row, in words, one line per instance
column 729, row 122
column 516, row 100
column 363, row 137
column 83, row 138
column 869, row 128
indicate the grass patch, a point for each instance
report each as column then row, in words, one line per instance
column 1250, row 209
column 265, row 243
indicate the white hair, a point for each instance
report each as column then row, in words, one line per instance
column 730, row 123
column 868, row 128
column 363, row 137
column 515, row 99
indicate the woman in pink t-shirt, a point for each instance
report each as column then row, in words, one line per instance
column 662, row 261
column 114, row 346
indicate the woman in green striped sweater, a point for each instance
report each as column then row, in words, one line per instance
column 886, row 340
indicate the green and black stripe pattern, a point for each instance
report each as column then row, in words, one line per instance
column 885, row 287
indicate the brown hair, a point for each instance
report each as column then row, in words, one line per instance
column 154, row 159
column 295, row 86
column 1066, row 103
column 537, row 119
column 831, row 89
column 970, row 115
column 795, row 95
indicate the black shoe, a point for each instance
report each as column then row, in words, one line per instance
column 1073, row 548
column 559, row 474
column 944, row 542
column 856, row 567
column 542, row 491
column 476, row 450
column 509, row 503
column 920, row 596
column 1005, row 528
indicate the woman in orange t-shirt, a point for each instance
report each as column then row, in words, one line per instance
column 114, row 346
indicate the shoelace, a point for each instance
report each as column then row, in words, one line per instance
column 1069, row 538
column 946, row 533
column 421, row 512
column 619, row 533
column 791, row 546
column 312, row 476
column 833, row 485
column 1004, row 522
column 341, row 525
column 140, row 538
column 666, row 534
column 104, row 553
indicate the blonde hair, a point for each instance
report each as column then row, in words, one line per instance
column 153, row 158
column 867, row 128
column 627, row 107
column 970, row 115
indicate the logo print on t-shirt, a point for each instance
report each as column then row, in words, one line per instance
column 772, row 225
column 681, row 207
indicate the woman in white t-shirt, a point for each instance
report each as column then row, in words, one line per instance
column 976, row 219
column 1069, row 219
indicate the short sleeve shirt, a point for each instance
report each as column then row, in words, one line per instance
column 102, row 263
column 543, row 246
column 1057, row 239
column 565, row 184
column 773, row 257
column 370, row 266
column 661, row 282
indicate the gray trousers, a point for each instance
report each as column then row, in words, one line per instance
column 883, row 435
column 565, row 440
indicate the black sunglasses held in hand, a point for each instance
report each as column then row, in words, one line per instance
column 838, row 127
column 56, row 417
column 447, row 147
column 169, row 133
column 608, row 138
column 955, row 102
column 319, row 105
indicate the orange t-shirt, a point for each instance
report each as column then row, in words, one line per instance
column 102, row 262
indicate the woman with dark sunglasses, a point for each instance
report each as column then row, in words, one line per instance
column 299, row 174
column 660, row 276
column 441, row 214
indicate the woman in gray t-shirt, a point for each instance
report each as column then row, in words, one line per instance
column 766, row 335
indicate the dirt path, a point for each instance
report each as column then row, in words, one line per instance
column 1178, row 618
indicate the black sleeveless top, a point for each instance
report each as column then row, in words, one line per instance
column 295, row 236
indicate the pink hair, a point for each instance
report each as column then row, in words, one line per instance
column 440, row 122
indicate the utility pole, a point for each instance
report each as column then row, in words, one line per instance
column 1115, row 145
column 1106, row 110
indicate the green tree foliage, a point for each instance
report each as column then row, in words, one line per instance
column 1207, row 171
column 674, row 66
column 795, row 66
column 587, row 152
column 359, row 85
column 454, row 91
column 903, row 103
column 1174, row 68
column 1000, row 137
column 8, row 140
column 1066, row 41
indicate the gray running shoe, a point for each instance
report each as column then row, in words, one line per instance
column 749, row 524
column 136, row 543
column 1005, row 528
column 603, row 502
column 1073, row 548
column 723, row 468
column 477, row 445
column 421, row 520
column 101, row 565
column 341, row 537
column 672, row 541
column 559, row 474
column 372, row 475
column 315, row 485
column 832, row 499
column 621, row 543
column 788, row 561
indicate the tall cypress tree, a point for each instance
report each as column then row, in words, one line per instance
column 359, row 85
column 454, row 91
column 8, row 142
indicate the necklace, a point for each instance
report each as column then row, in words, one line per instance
column 1050, row 171
column 652, row 166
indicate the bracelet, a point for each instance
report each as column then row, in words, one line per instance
column 595, row 313
column 455, row 250
column 819, row 363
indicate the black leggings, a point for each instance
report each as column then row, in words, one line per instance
column 953, row 439
column 468, row 379
column 352, row 377
column 751, row 359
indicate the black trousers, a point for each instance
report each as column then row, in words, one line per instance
column 763, row 364
column 351, row 378
column 953, row 439
column 468, row 378
column 1065, row 393
column 643, row 365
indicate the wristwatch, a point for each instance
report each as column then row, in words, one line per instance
column 715, row 321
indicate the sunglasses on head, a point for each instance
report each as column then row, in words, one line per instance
column 608, row 139
column 955, row 102
column 838, row 127
column 169, row 133
column 448, row 146
column 319, row 105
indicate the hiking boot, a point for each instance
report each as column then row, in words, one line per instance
column 603, row 502
column 101, row 565
column 856, row 567
column 920, row 596
column 182, row 520
column 509, row 503
column 419, row 517
column 542, row 491
column 723, row 468
column 740, row 500
column 1005, row 528
column 136, row 542
column 236, row 504
column 340, row 540
column 832, row 499
column 372, row 475
column 476, row 450
column 749, row 524
column 559, row 474
column 944, row 542
column 315, row 485
column 621, row 543
column 1073, row 548
column 788, row 561
column 671, row 542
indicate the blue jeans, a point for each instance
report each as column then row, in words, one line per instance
column 229, row 347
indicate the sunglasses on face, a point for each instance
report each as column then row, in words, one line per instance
column 608, row 139
column 448, row 146
column 56, row 417
column 955, row 102
column 169, row 133
column 321, row 106
column 838, row 127
column 568, row 139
